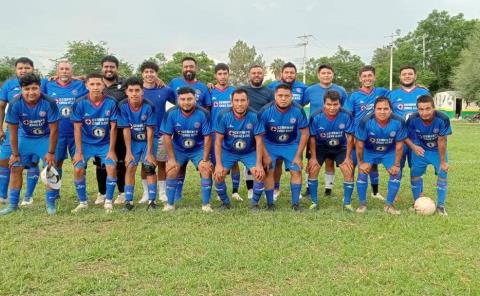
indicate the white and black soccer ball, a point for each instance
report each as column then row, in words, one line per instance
column 424, row 206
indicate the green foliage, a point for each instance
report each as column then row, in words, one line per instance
column 7, row 68
column 276, row 67
column 242, row 57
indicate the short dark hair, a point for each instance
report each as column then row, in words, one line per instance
column 221, row 66
column 366, row 68
column 325, row 66
column 426, row 99
column 289, row 65
column 332, row 95
column 93, row 75
column 133, row 81
column 283, row 86
column 239, row 91
column 189, row 59
column 24, row 60
column 382, row 99
column 405, row 67
column 254, row 66
column 185, row 90
column 149, row 65
column 29, row 79
column 110, row 58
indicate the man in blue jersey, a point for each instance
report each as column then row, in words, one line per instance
column 64, row 90
column 159, row 95
column 360, row 103
column 10, row 89
column 379, row 139
column 331, row 137
column 221, row 100
column 94, row 119
column 286, row 135
column 137, row 117
column 239, row 138
column 428, row 130
column 314, row 95
column 187, row 136
column 33, row 123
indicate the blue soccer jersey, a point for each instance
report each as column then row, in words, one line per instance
column 95, row 119
column 202, row 94
column 137, row 119
column 159, row 96
column 188, row 132
column 239, row 133
column 11, row 88
column 298, row 90
column 221, row 101
column 33, row 121
column 426, row 135
column 331, row 132
column 65, row 95
column 282, row 127
column 361, row 103
column 314, row 96
column 380, row 139
column 405, row 102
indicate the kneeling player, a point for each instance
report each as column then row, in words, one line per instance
column 187, row 136
column 238, row 138
column 331, row 137
column 380, row 137
column 95, row 128
column 138, row 119
column 286, row 135
column 33, row 123
column 427, row 137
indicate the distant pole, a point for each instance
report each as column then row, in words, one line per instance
column 395, row 34
column 304, row 38
column 424, row 51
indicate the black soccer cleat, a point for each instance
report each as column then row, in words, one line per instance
column 128, row 207
column 152, row 205
column 224, row 207
column 328, row 192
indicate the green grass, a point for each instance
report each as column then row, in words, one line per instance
column 242, row 253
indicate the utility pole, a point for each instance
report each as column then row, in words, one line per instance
column 304, row 38
column 392, row 36
column 424, row 51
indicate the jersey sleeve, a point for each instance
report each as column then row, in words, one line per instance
column 171, row 96
column 82, row 90
column 114, row 112
column 4, row 92
column 12, row 114
column 207, row 97
column 306, row 97
column 361, row 131
column 122, row 117
column 258, row 127
column 445, row 128
column 349, row 128
column 167, row 126
column 303, row 122
column 219, row 125
column 348, row 105
column 402, row 132
column 53, row 115
column 76, row 115
column 152, row 117
column 343, row 96
column 313, row 129
column 206, row 127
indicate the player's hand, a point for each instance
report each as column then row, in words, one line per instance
column 220, row 172
column 267, row 162
column 347, row 163
column 394, row 170
column 298, row 161
column 444, row 166
column 2, row 135
column 78, row 157
column 151, row 159
column 159, row 82
column 364, row 168
column 205, row 166
column 50, row 159
column 312, row 165
column 171, row 165
column 419, row 151
column 13, row 159
column 129, row 158
column 210, row 85
column 112, row 155
column 258, row 172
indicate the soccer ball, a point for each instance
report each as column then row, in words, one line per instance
column 424, row 206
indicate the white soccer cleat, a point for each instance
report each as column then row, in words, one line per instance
column 144, row 198
column 300, row 196
column 100, row 199
column 236, row 196
column 81, row 206
column 168, row 208
column 26, row 201
column 108, row 206
column 120, row 200
column 250, row 193
column 207, row 208
column 3, row 200
column 276, row 194
column 163, row 198
column 378, row 196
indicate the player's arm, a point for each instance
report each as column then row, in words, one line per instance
column 442, row 151
column 259, row 148
column 395, row 169
column 207, row 147
column 77, row 134
column 14, row 143
column 113, row 139
column 52, row 143
column 304, row 134
column 219, row 169
column 127, row 137
column 3, row 105
column 418, row 150
column 360, row 148
column 313, row 161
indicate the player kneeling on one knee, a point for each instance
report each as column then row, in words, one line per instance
column 331, row 137
column 187, row 137
column 380, row 137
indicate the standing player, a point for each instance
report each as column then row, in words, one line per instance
column 10, row 89
column 360, row 103
column 331, row 137
column 314, row 95
column 187, row 135
column 239, row 138
column 286, row 134
column 159, row 96
column 138, row 119
column 64, row 90
column 94, row 119
column 33, row 123
column 379, row 139
column 427, row 137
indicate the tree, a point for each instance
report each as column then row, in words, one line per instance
column 466, row 79
column 7, row 68
column 276, row 67
column 242, row 57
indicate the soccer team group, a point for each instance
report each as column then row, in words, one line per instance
column 122, row 123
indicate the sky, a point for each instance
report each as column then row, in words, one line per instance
column 135, row 30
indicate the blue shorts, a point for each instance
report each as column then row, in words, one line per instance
column 285, row 152
column 31, row 150
column 229, row 159
column 387, row 159
column 65, row 144
column 99, row 151
column 139, row 151
column 183, row 157
column 420, row 163
column 5, row 148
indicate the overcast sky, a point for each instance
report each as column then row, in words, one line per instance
column 135, row 30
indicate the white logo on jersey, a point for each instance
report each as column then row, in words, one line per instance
column 283, row 138
column 188, row 143
column 240, row 145
column 42, row 113
column 249, row 126
column 293, row 120
column 37, row 131
column 66, row 111
column 341, row 126
column 141, row 137
column 333, row 142
column 99, row 132
column 393, row 133
column 271, row 120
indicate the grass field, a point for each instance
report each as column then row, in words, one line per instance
column 326, row 252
